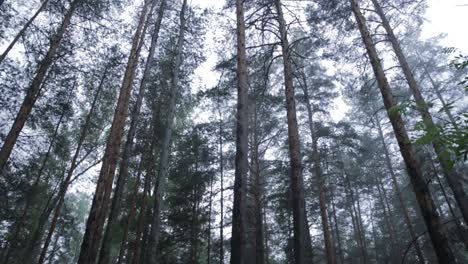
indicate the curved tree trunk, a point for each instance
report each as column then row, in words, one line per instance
column 433, row 222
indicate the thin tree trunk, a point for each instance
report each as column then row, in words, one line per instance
column 434, row 225
column 159, row 188
column 131, row 212
column 210, row 213
column 302, row 240
column 453, row 178
column 335, row 220
column 317, row 171
column 445, row 107
column 73, row 166
column 221, row 179
column 21, row 32
column 18, row 225
column 390, row 229
column 104, row 257
column 34, row 89
column 101, row 200
column 238, row 238
column 358, row 223
column 403, row 206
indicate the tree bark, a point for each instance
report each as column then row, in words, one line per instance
column 159, row 188
column 317, row 171
column 403, row 206
column 104, row 257
column 453, row 178
column 242, row 134
column 74, row 161
column 435, row 227
column 221, row 179
column 390, row 227
column 35, row 88
column 21, row 32
column 302, row 240
column 101, row 200
column 335, row 220
column 31, row 194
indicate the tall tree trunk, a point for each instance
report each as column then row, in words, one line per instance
column 104, row 257
column 159, row 188
column 21, row 32
column 434, row 225
column 453, row 178
column 131, row 212
column 337, row 231
column 391, row 231
column 302, row 240
column 210, row 213
column 356, row 215
column 317, row 171
column 31, row 194
column 101, row 200
column 257, row 193
column 149, row 159
column 35, row 88
column 403, row 206
column 221, row 179
column 242, row 135
column 73, row 165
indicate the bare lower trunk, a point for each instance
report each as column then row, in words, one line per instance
column 434, row 225
column 302, row 241
column 337, row 231
column 21, row 32
column 131, row 211
column 101, row 200
column 104, row 257
column 159, row 188
column 221, row 179
column 391, row 231
column 403, row 206
column 317, row 171
column 453, row 178
column 241, row 161
column 34, row 89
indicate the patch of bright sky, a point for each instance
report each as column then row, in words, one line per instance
column 443, row 16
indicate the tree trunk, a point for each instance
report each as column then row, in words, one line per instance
column 74, row 161
column 388, row 162
column 159, row 188
column 390, row 229
column 21, row 32
column 242, row 135
column 302, row 240
column 104, row 257
column 210, row 210
column 31, row 194
column 101, row 200
column 221, row 179
column 34, row 89
column 453, row 178
column 257, row 193
column 435, row 227
column 335, row 220
column 317, row 171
